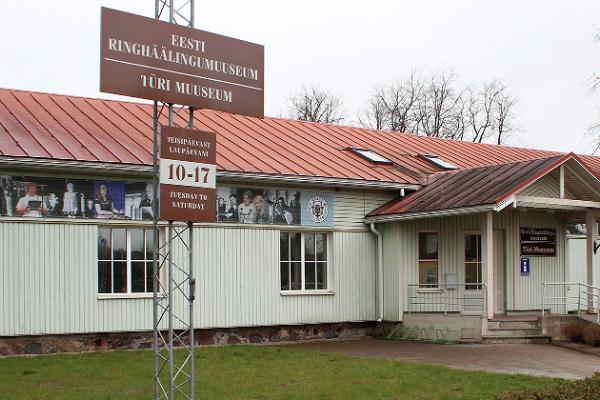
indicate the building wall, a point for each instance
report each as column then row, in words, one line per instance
column 523, row 292
column 49, row 270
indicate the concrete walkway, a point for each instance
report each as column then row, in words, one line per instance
column 530, row 359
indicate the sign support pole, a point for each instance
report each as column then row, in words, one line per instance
column 173, row 372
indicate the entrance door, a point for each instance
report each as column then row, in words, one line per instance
column 472, row 263
column 499, row 273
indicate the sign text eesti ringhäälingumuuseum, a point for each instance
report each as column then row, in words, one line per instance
column 151, row 59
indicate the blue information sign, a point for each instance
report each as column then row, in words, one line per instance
column 525, row 266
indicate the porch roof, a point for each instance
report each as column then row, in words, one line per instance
column 495, row 187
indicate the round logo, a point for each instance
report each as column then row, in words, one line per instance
column 317, row 208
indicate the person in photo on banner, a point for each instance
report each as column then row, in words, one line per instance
column 31, row 204
column 262, row 210
column 70, row 201
column 295, row 208
column 221, row 209
column 282, row 212
column 3, row 195
column 103, row 203
column 146, row 203
column 231, row 214
column 247, row 210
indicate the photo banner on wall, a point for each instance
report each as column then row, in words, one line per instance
column 28, row 196
column 39, row 197
column 273, row 206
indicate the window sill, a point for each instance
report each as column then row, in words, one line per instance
column 306, row 292
column 111, row 296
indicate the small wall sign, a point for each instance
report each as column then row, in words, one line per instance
column 538, row 242
column 525, row 266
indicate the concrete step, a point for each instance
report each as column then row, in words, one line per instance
column 508, row 324
column 513, row 332
column 536, row 339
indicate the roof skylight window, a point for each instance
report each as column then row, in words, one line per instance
column 371, row 156
column 436, row 160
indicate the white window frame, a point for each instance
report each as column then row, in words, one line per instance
column 328, row 262
column 439, row 262
column 464, row 261
column 128, row 262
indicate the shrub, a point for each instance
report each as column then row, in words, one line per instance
column 591, row 335
column 583, row 389
column 573, row 331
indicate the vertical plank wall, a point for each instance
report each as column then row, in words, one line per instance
column 523, row 292
column 49, row 277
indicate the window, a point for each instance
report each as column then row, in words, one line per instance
column 371, row 156
column 472, row 261
column 428, row 259
column 436, row 160
column 125, row 260
column 303, row 260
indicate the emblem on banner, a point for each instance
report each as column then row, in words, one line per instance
column 317, row 209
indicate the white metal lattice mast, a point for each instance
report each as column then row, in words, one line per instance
column 173, row 299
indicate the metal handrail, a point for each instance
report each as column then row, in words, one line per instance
column 588, row 293
column 442, row 300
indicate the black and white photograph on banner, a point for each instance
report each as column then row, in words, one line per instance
column 258, row 206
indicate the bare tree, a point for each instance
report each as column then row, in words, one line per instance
column 504, row 116
column 594, row 129
column 440, row 108
column 316, row 105
column 375, row 116
column 490, row 112
column 436, row 107
column 394, row 107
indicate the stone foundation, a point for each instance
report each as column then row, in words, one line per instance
column 48, row 344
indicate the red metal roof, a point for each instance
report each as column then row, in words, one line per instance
column 50, row 126
column 470, row 187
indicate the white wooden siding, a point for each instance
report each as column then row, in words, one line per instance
column 49, row 283
column 523, row 292
column 577, row 261
column 352, row 206
column 548, row 186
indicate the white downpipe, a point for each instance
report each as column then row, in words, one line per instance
column 379, row 270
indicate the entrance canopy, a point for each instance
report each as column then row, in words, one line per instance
column 560, row 182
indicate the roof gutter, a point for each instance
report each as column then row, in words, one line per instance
column 77, row 167
column 145, row 171
column 430, row 214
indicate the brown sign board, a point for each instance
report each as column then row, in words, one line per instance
column 538, row 249
column 187, row 175
column 151, row 59
column 538, row 241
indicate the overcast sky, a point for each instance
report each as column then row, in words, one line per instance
column 543, row 49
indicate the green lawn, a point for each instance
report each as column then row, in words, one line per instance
column 249, row 372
